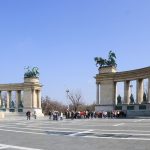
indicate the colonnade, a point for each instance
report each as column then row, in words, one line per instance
column 19, row 98
column 36, row 98
column 106, row 85
column 26, row 96
column 127, row 91
column 9, row 99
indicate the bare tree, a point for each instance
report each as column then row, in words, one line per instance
column 52, row 105
column 75, row 99
column 87, row 107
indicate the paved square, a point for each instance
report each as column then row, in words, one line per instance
column 94, row 134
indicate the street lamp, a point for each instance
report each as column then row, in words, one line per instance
column 131, row 86
column 67, row 91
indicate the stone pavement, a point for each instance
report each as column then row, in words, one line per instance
column 44, row 134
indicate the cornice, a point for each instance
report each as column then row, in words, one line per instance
column 125, row 75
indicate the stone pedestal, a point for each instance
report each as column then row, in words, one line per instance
column 2, row 115
column 32, row 96
column 107, row 69
column 101, row 108
column 107, row 91
column 31, row 80
column 32, row 110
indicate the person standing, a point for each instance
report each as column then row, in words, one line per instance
column 50, row 114
column 61, row 116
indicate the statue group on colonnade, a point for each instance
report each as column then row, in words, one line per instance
column 104, row 62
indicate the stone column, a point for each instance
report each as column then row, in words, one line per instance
column 39, row 99
column 8, row 99
column 149, row 90
column 97, row 94
column 139, row 91
column 33, row 98
column 0, row 99
column 115, row 93
column 126, row 92
column 18, row 99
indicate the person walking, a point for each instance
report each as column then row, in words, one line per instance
column 34, row 114
column 28, row 114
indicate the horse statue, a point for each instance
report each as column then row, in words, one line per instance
column 100, row 61
column 33, row 73
column 111, row 59
column 104, row 62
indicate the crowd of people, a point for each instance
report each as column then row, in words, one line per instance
column 55, row 115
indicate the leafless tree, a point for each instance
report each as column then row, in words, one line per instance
column 52, row 105
column 86, row 107
column 75, row 100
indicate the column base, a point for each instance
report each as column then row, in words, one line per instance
column 2, row 115
column 104, row 108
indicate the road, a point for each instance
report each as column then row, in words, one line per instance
column 79, row 134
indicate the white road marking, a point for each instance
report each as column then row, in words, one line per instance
column 4, row 146
column 119, row 138
column 43, row 133
column 120, row 124
column 124, row 130
column 82, row 130
column 17, row 131
column 138, row 120
column 100, row 132
column 87, row 131
column 69, row 129
column 77, row 133
column 44, row 128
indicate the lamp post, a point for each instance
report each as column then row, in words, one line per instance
column 67, row 91
column 131, row 86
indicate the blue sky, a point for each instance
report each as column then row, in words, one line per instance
column 62, row 37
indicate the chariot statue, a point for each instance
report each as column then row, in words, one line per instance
column 31, row 73
column 111, row 61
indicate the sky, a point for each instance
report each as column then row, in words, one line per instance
column 62, row 37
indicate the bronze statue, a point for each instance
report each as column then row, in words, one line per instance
column 33, row 73
column 104, row 62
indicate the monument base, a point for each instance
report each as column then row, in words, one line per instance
column 2, row 115
column 107, row 69
column 32, row 110
column 99, row 108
